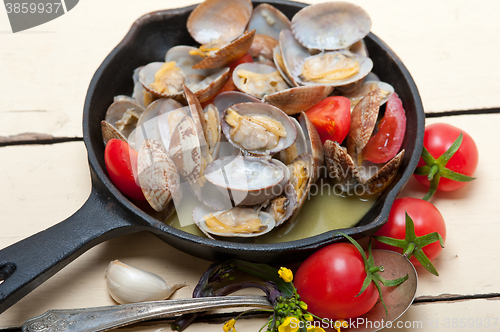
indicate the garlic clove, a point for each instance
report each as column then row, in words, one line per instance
column 127, row 284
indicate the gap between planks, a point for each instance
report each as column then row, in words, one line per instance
column 39, row 138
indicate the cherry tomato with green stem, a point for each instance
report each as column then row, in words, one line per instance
column 340, row 281
column 449, row 159
column 414, row 228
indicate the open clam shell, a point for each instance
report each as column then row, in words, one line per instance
column 262, row 48
column 323, row 59
column 342, row 168
column 331, row 25
column 185, row 150
column 258, row 80
column 123, row 114
column 298, row 99
column 315, row 147
column 109, row 132
column 386, row 90
column 293, row 54
column 363, row 118
column 264, row 110
column 301, row 172
column 282, row 207
column 268, row 20
column 219, row 20
column 300, row 146
column 230, row 98
column 157, row 175
column 280, row 65
column 247, row 180
column 147, row 125
column 266, row 220
column 228, row 53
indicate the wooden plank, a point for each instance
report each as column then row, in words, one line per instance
column 54, row 63
column 470, row 218
column 44, row 184
column 472, row 315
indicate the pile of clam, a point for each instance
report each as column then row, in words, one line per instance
column 250, row 156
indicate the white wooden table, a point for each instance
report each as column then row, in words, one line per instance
column 451, row 49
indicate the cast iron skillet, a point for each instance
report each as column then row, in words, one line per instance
column 108, row 214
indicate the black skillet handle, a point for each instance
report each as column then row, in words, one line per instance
column 27, row 264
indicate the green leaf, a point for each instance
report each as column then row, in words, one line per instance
column 423, row 170
column 424, row 260
column 427, row 157
column 392, row 242
column 391, row 283
column 409, row 228
column 428, row 239
column 365, row 285
column 449, row 174
column 445, row 157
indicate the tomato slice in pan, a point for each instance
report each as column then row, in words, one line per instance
column 332, row 118
column 385, row 144
column 120, row 160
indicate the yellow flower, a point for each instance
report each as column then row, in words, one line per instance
column 291, row 324
column 285, row 274
column 315, row 329
column 340, row 323
column 229, row 326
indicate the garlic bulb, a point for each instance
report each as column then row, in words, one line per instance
column 127, row 284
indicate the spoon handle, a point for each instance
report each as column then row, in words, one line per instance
column 110, row 317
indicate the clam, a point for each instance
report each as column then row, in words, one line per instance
column 268, row 20
column 335, row 68
column 185, row 151
column 109, row 132
column 258, row 128
column 386, row 90
column 315, row 147
column 301, row 172
column 352, row 180
column 219, row 25
column 230, row 98
column 235, row 222
column 282, row 207
column 123, row 114
column 157, row 175
column 247, row 180
column 258, row 80
column 166, row 79
column 262, row 48
column 297, row 99
column 328, row 28
column 147, row 125
column 300, row 146
column 330, row 25
column 346, row 166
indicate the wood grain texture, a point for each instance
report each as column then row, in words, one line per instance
column 447, row 47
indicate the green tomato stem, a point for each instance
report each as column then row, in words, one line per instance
column 409, row 250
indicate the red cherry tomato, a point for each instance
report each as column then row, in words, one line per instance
column 332, row 118
column 426, row 218
column 120, row 161
column 385, row 144
column 438, row 138
column 329, row 280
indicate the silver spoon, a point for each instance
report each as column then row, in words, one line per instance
column 110, row 317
